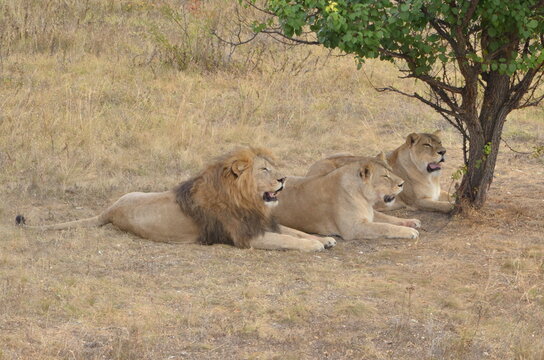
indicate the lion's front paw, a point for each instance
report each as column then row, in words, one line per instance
column 328, row 242
column 414, row 234
column 413, row 223
column 315, row 246
column 450, row 208
column 444, row 207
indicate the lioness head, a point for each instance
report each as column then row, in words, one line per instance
column 426, row 151
column 253, row 170
column 380, row 182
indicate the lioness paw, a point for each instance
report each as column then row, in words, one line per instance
column 414, row 234
column 315, row 246
column 328, row 242
column 449, row 208
column 444, row 207
column 413, row 223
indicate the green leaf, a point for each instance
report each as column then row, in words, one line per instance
column 532, row 24
column 257, row 27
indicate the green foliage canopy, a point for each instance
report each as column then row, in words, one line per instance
column 423, row 32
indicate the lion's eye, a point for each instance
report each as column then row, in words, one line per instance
column 386, row 176
column 428, row 145
column 265, row 169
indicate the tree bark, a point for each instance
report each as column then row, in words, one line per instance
column 484, row 131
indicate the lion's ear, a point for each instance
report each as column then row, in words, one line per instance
column 239, row 166
column 437, row 133
column 381, row 157
column 412, row 138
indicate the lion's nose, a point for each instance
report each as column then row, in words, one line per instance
column 282, row 180
column 442, row 152
column 401, row 184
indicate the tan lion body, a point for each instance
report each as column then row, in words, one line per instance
column 409, row 161
column 340, row 203
column 159, row 217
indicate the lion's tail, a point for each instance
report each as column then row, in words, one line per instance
column 95, row 221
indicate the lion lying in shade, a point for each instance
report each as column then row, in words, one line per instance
column 418, row 161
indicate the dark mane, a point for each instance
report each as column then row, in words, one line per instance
column 211, row 229
column 219, row 220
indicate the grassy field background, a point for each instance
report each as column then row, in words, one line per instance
column 99, row 98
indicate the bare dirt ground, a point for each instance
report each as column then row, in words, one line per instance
column 94, row 103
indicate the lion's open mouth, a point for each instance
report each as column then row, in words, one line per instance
column 434, row 166
column 388, row 198
column 271, row 196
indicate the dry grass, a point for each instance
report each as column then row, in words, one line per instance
column 90, row 108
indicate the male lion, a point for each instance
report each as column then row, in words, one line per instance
column 340, row 202
column 228, row 202
column 418, row 162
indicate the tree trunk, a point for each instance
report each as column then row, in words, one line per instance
column 482, row 158
column 484, row 139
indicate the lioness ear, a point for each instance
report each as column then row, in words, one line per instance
column 381, row 157
column 438, row 133
column 412, row 138
column 239, row 166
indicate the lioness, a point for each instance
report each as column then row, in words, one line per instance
column 228, row 202
column 340, row 202
column 418, row 162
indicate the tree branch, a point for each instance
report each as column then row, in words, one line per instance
column 470, row 12
column 516, row 151
column 522, row 87
column 250, row 3
column 242, row 42
column 419, row 97
column 432, row 81
column 295, row 40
